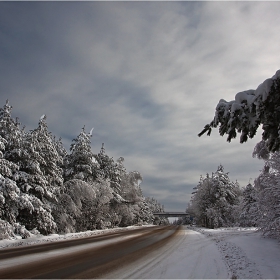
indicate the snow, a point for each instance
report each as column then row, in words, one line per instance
column 40, row 239
column 195, row 253
column 199, row 253
column 246, row 252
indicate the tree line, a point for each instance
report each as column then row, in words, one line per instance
column 218, row 202
column 45, row 189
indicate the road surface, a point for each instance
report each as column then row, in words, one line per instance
column 82, row 258
column 187, row 255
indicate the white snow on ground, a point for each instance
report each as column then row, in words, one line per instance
column 190, row 255
column 199, row 253
column 247, row 254
column 39, row 239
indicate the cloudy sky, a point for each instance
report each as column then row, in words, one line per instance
column 146, row 75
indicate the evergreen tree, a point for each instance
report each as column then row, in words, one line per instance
column 249, row 207
column 11, row 132
column 40, row 176
column 155, row 207
column 95, row 192
column 81, row 163
column 248, row 111
column 110, row 170
column 50, row 158
column 268, row 196
column 215, row 199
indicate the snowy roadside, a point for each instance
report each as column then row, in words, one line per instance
column 247, row 254
column 40, row 239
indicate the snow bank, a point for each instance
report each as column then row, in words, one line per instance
column 39, row 239
column 246, row 252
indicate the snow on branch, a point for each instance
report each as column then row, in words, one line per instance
column 247, row 111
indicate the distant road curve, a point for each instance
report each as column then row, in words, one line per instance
column 81, row 258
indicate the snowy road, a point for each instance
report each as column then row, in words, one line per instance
column 189, row 255
column 150, row 253
column 226, row 253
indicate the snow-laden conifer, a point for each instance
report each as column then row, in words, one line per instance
column 249, row 110
column 215, row 199
column 249, row 210
column 81, row 163
column 155, row 207
column 268, row 196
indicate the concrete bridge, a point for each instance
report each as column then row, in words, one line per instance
column 171, row 214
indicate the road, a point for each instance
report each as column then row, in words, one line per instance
column 87, row 257
column 187, row 255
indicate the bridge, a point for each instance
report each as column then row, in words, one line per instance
column 171, row 214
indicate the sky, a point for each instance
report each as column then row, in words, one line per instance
column 146, row 75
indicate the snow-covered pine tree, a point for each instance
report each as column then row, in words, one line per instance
column 51, row 159
column 155, row 207
column 13, row 199
column 268, row 196
column 81, row 163
column 10, row 142
column 249, row 207
column 60, row 150
column 109, row 169
column 248, row 111
column 40, row 177
column 215, row 199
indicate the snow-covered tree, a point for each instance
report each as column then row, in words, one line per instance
column 10, row 142
column 268, row 198
column 6, row 230
column 249, row 209
column 17, row 204
column 215, row 199
column 248, row 111
column 155, row 207
column 44, row 188
column 7, row 168
column 81, row 163
column 101, row 213
column 11, row 132
column 50, row 158
column 75, row 209
column 109, row 169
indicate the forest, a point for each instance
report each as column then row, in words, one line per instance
column 45, row 189
column 218, row 202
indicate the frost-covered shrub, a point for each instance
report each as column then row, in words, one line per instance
column 65, row 213
column 6, row 230
column 22, row 231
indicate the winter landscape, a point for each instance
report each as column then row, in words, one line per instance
column 46, row 191
column 106, row 108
